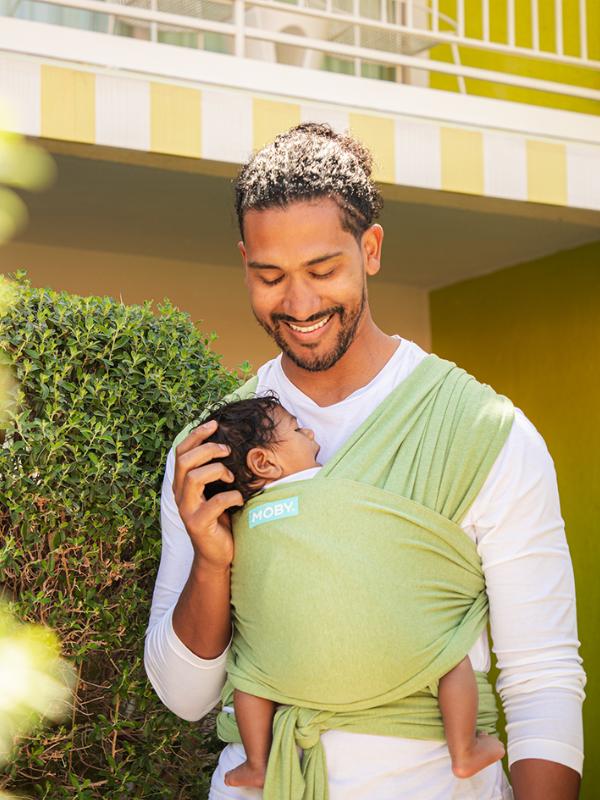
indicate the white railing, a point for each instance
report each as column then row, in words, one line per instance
column 389, row 39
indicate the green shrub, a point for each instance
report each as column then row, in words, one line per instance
column 103, row 390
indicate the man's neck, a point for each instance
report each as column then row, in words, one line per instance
column 365, row 358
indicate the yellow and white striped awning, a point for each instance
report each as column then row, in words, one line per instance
column 199, row 120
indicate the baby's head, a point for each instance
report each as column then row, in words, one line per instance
column 266, row 444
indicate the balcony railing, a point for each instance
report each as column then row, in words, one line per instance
column 385, row 39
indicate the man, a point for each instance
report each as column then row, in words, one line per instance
column 306, row 207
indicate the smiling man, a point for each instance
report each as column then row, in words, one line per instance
column 317, row 341
column 307, row 206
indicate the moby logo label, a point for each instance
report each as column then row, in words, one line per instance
column 278, row 509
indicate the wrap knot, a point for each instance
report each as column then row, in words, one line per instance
column 309, row 724
column 293, row 728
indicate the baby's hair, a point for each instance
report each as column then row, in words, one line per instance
column 243, row 424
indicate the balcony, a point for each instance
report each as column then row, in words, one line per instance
column 487, row 147
column 536, row 51
column 412, row 77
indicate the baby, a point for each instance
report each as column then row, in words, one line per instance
column 267, row 446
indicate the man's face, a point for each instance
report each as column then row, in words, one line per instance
column 307, row 279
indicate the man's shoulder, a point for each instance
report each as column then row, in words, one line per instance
column 522, row 475
column 411, row 352
column 525, row 441
column 472, row 388
column 524, row 457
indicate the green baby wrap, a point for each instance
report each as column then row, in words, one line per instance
column 355, row 591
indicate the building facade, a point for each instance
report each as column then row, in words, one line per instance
column 484, row 121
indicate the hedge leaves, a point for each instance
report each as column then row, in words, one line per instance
column 103, row 389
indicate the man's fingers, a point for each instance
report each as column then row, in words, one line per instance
column 196, row 480
column 214, row 471
column 209, row 513
column 196, row 437
column 222, row 501
column 202, row 454
column 191, row 459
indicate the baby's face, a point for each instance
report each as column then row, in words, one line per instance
column 296, row 448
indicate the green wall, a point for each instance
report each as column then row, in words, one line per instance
column 533, row 333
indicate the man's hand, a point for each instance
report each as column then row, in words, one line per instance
column 538, row 779
column 201, row 618
column 206, row 521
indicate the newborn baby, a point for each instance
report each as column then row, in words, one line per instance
column 268, row 445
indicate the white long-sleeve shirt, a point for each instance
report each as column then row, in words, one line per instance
column 517, row 526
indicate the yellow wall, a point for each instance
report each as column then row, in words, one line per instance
column 523, row 38
column 215, row 295
column 533, row 333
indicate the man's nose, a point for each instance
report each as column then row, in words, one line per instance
column 300, row 301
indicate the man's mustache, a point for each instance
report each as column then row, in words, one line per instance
column 313, row 317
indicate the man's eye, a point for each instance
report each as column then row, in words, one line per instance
column 319, row 276
column 273, row 282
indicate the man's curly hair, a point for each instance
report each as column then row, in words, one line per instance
column 309, row 161
column 243, row 424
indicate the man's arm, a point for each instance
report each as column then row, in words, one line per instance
column 202, row 616
column 189, row 629
column 538, row 779
column 529, row 580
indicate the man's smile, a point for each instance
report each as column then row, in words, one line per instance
column 329, row 330
column 309, row 328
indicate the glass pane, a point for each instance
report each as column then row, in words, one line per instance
column 55, row 15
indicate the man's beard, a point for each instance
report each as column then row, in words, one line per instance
column 349, row 319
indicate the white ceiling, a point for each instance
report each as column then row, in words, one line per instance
column 431, row 239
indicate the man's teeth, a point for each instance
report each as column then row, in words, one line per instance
column 309, row 328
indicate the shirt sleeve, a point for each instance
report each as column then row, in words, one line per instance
column 188, row 685
column 517, row 524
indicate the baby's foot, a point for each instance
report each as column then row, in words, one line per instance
column 486, row 750
column 246, row 775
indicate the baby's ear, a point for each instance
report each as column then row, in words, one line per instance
column 262, row 463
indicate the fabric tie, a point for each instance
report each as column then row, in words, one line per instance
column 295, row 727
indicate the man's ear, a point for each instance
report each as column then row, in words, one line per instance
column 262, row 463
column 244, row 255
column 372, row 242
